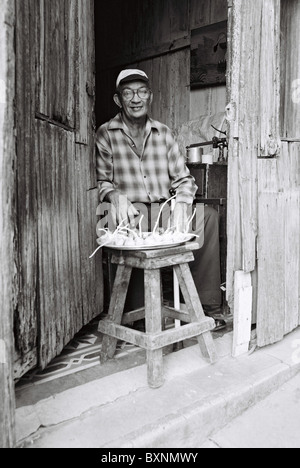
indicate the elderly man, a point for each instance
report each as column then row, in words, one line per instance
column 138, row 160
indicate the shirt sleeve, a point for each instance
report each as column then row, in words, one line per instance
column 182, row 182
column 104, row 163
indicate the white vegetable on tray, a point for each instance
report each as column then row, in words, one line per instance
column 126, row 238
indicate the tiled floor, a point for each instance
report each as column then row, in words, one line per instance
column 80, row 354
column 80, row 362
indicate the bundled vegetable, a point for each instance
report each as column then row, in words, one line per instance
column 123, row 236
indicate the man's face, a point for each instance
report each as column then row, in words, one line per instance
column 136, row 99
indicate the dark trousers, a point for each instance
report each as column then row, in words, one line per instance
column 205, row 268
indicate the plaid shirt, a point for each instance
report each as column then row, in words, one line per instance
column 145, row 178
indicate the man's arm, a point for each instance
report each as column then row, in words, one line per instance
column 104, row 164
column 121, row 208
column 182, row 182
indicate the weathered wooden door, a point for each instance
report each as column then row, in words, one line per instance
column 264, row 167
column 59, row 288
column 7, row 159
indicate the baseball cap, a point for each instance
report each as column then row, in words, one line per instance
column 130, row 75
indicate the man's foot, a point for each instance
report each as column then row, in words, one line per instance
column 215, row 312
column 220, row 324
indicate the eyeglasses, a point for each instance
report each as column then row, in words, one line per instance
column 128, row 94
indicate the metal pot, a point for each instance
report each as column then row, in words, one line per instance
column 194, row 155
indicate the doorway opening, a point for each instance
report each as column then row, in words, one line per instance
column 159, row 43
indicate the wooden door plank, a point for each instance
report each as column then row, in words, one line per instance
column 200, row 13
column 69, row 99
column 55, row 60
column 249, row 130
column 91, row 270
column 267, row 202
column 40, row 85
column 161, row 32
column 218, row 11
column 91, row 273
column 289, row 173
column 53, row 178
column 179, row 19
column 279, row 179
column 292, row 268
column 271, row 272
column 298, row 237
column 234, row 230
column 85, row 54
column 59, row 265
column 242, row 313
column 270, row 75
column 7, row 219
column 171, row 92
column 25, row 320
column 278, row 198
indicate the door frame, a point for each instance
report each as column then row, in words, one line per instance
column 7, row 225
column 257, row 193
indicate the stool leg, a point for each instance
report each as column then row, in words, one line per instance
column 195, row 309
column 116, row 309
column 110, row 273
column 153, row 314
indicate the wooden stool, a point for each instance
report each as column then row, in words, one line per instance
column 155, row 339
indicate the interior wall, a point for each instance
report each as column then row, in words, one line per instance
column 210, row 100
column 155, row 36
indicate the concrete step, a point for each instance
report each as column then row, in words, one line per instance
column 196, row 400
column 273, row 423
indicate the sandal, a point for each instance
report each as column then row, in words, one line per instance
column 220, row 324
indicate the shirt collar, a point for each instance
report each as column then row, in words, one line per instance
column 117, row 123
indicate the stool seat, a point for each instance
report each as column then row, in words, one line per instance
column 155, row 339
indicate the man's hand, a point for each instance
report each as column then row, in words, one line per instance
column 180, row 216
column 121, row 209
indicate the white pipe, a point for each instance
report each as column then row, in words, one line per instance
column 176, row 290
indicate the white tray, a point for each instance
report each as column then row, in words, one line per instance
column 189, row 238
